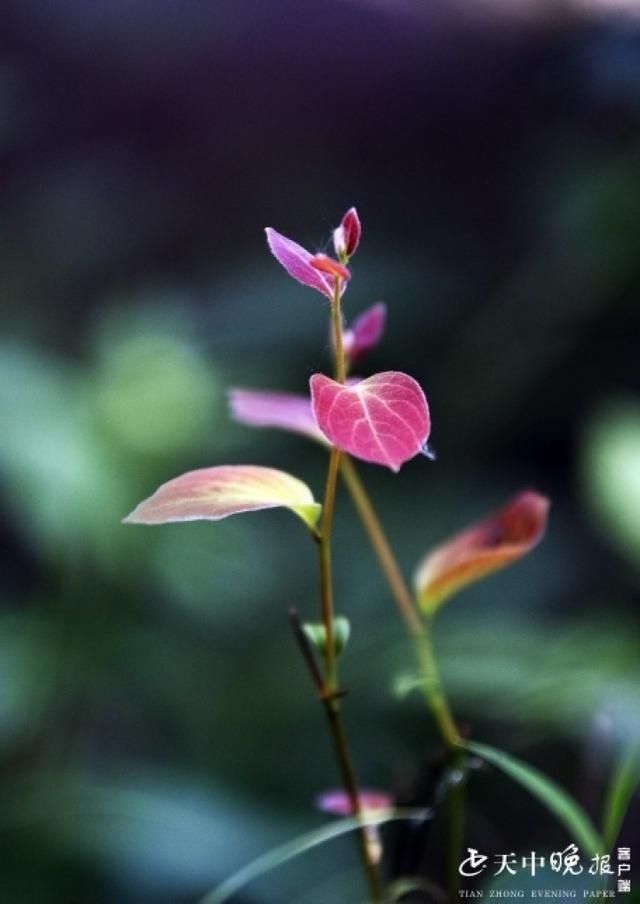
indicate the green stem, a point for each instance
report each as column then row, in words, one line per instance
column 341, row 749
column 331, row 691
column 330, row 701
column 419, row 632
column 456, row 814
column 336, row 326
column 421, row 637
column 326, row 580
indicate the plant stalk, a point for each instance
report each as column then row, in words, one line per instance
column 456, row 823
column 331, row 691
column 418, row 630
column 331, row 704
column 336, row 327
column 421, row 637
column 326, row 580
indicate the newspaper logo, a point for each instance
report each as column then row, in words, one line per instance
column 567, row 862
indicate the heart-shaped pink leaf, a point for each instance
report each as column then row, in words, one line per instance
column 366, row 331
column 383, row 419
column 210, row 494
column 282, row 410
column 296, row 260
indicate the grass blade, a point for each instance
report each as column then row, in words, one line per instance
column 301, row 844
column 551, row 795
column 622, row 787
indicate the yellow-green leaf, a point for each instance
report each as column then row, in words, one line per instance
column 210, row 494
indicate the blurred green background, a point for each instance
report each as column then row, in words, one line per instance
column 157, row 729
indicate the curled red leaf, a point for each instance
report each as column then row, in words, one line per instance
column 493, row 543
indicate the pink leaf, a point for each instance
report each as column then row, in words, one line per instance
column 282, row 410
column 297, row 262
column 384, row 419
column 346, row 237
column 210, row 494
column 366, row 332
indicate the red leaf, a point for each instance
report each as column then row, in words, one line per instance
column 496, row 541
column 326, row 264
column 384, row 419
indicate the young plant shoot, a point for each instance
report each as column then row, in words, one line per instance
column 381, row 419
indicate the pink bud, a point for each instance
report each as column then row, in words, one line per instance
column 346, row 237
column 338, row 803
column 366, row 332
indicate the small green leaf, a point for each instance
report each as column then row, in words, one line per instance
column 317, row 635
column 405, row 683
column 301, row 844
column 552, row 796
column 341, row 632
column 622, row 787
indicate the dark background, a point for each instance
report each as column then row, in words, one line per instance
column 157, row 730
